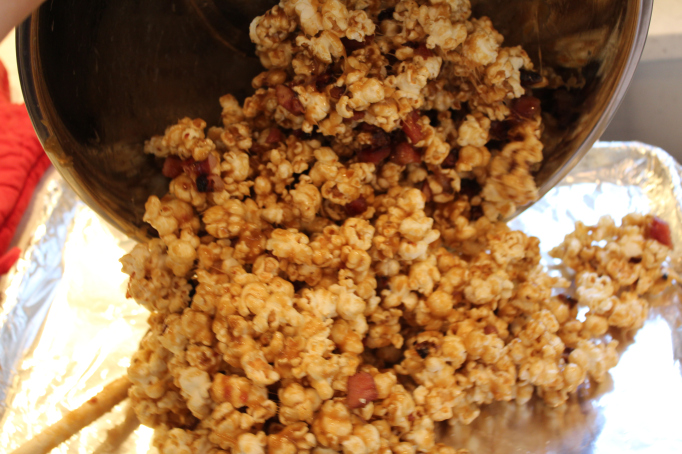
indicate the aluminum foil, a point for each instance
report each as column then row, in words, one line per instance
column 66, row 328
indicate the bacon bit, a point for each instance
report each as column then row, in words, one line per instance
column 451, row 160
column 212, row 162
column 356, row 207
column 337, row 92
column 196, row 168
column 423, row 51
column 490, row 329
column 274, row 136
column 202, row 167
column 172, row 167
column 426, row 190
column 358, row 115
column 209, row 183
column 374, row 155
column 443, row 181
column 379, row 137
column 286, row 97
column 410, row 417
column 352, row 45
column 366, row 127
column 526, row 106
column 93, row 400
column 404, row 154
column 217, row 183
column 259, row 148
column 361, row 390
column 411, row 128
column 659, row 230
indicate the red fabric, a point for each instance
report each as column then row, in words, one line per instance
column 4, row 84
column 22, row 164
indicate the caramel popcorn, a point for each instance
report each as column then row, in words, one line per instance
column 332, row 273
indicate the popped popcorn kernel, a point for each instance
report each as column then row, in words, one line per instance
column 332, row 272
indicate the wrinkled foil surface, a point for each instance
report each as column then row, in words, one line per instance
column 66, row 328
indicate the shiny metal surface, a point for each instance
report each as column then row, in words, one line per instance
column 66, row 327
column 101, row 77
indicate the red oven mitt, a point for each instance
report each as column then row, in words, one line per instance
column 22, row 164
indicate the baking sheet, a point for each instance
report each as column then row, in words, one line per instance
column 66, row 328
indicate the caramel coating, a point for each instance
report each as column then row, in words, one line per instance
column 346, row 219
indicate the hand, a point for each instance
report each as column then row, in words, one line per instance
column 13, row 12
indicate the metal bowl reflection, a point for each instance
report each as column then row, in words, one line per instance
column 101, row 77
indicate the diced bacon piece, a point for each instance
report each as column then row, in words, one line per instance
column 356, row 207
column 337, row 92
column 361, row 390
column 526, row 106
column 412, row 130
column 443, row 181
column 259, row 148
column 490, row 329
column 358, row 115
column 659, row 230
column 378, row 137
column 286, row 97
column 451, row 160
column 217, row 183
column 172, row 167
column 374, row 155
column 209, row 183
column 212, row 162
column 423, row 51
column 195, row 168
column 274, row 136
column 404, row 154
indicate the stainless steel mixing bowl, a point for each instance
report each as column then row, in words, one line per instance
column 100, row 77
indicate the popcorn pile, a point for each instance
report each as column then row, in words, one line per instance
column 332, row 273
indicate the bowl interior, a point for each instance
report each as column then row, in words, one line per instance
column 99, row 78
